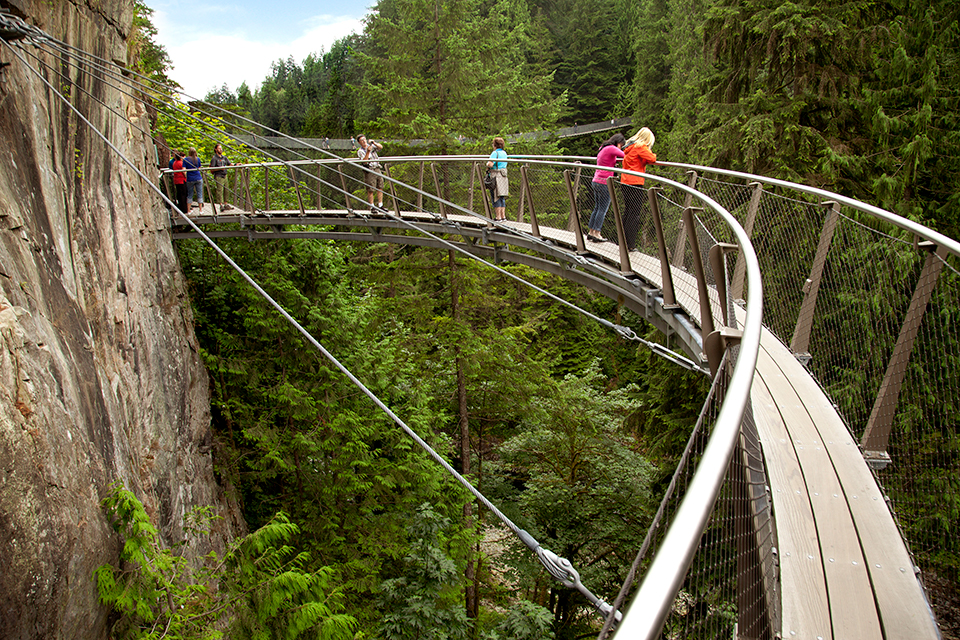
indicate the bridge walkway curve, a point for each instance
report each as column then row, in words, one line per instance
column 843, row 568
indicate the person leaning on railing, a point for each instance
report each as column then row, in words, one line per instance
column 637, row 156
column 610, row 152
column 219, row 176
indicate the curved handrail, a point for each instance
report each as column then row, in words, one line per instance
column 906, row 224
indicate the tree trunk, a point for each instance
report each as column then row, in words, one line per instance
column 471, row 599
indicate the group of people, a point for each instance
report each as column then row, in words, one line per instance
column 188, row 179
column 635, row 153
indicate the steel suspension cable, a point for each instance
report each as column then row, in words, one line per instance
column 560, row 568
column 623, row 331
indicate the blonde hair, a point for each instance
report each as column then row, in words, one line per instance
column 643, row 137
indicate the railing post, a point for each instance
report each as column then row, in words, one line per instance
column 486, row 201
column 319, row 186
column 877, row 433
column 393, row 193
column 574, row 214
column 625, row 267
column 266, row 188
column 473, row 185
column 534, row 225
column 246, row 189
column 718, row 263
column 346, row 192
column 666, row 274
column 740, row 270
column 681, row 235
column 168, row 189
column 800, row 343
column 523, row 194
column 436, row 185
column 296, row 188
column 420, row 190
column 716, row 343
column 573, row 189
column 706, row 313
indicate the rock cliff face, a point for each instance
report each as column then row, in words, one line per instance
column 100, row 379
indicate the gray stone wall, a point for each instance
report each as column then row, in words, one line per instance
column 100, row 377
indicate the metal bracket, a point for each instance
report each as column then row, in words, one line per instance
column 716, row 344
column 877, row 460
column 650, row 299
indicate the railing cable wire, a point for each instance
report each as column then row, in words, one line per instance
column 560, row 568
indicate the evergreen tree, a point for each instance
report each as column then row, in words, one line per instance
column 147, row 57
column 586, row 492
column 422, row 603
column 440, row 69
column 591, row 56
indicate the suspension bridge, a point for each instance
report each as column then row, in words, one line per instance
column 806, row 502
column 815, row 538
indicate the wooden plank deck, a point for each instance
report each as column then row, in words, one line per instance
column 845, row 572
column 844, row 569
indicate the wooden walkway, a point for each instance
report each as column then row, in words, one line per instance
column 845, row 572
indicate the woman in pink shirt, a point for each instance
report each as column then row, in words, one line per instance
column 610, row 152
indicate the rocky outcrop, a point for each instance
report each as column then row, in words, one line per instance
column 100, row 377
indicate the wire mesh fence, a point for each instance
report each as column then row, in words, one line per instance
column 871, row 309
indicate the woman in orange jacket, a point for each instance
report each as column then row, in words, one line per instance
column 637, row 157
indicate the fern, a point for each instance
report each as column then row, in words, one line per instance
column 261, row 587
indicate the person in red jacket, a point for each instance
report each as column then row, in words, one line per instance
column 636, row 157
column 179, row 180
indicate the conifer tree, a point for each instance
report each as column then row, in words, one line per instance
column 441, row 69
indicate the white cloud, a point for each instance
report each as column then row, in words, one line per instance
column 205, row 61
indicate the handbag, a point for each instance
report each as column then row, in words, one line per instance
column 489, row 180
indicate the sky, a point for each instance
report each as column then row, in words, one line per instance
column 217, row 42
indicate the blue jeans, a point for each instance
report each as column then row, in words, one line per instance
column 601, row 202
column 194, row 188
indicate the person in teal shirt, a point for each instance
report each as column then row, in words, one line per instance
column 498, row 167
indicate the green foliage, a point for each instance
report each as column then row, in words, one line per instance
column 585, row 491
column 146, row 56
column 590, row 56
column 316, row 98
column 258, row 589
column 422, row 603
column 525, row 621
column 439, row 70
column 295, row 434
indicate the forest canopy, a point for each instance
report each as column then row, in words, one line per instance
column 855, row 97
